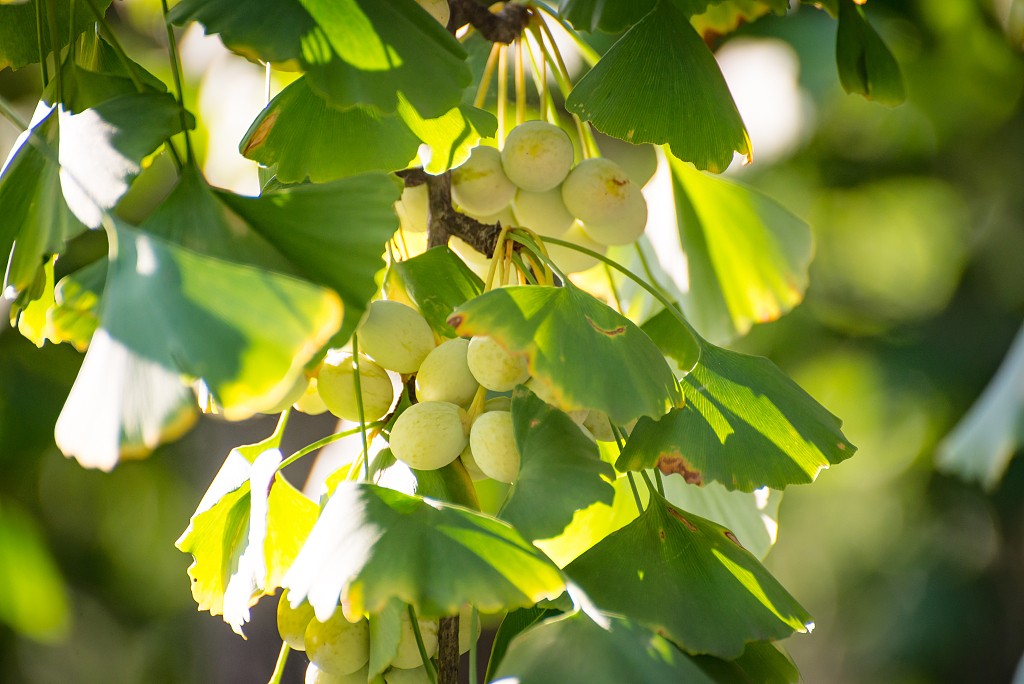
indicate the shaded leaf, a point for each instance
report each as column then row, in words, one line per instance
column 866, row 66
column 761, row 663
column 689, row 579
column 262, row 30
column 981, row 445
column 745, row 425
column 560, row 469
column 372, row 545
column 18, row 36
column 746, row 255
column 567, row 334
column 664, row 329
column 610, row 16
column 310, row 140
column 661, row 84
column 435, row 282
column 514, row 623
column 385, row 636
column 606, row 649
column 451, row 484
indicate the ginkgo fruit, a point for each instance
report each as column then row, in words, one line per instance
column 338, row 646
column 624, row 229
column 495, row 367
column 570, row 260
column 314, row 675
column 414, row 676
column 438, row 9
column 537, row 156
column 444, row 375
column 480, row 186
column 395, row 335
column 542, row 212
column 494, row 448
column 411, row 208
column 292, row 622
column 336, row 384
column 429, row 435
column 311, row 403
column 408, row 655
column 599, row 191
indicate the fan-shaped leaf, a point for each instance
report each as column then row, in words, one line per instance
column 451, row 484
column 19, row 45
column 689, row 579
column 661, row 84
column 866, row 66
column 567, row 336
column 560, row 469
column 372, row 545
column 746, row 255
column 451, row 137
column 761, row 663
column 745, row 425
column 752, row 516
column 435, row 282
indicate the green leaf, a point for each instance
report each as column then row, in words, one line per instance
column 980, row 447
column 745, row 425
column 610, row 16
column 18, row 36
column 75, row 315
column 372, row 545
column 310, row 140
column 34, row 602
column 866, row 66
column 690, row 580
column 451, row 136
column 435, row 282
column 567, row 336
column 514, row 623
column 32, row 319
column 245, row 533
column 451, row 484
column 724, row 17
column 661, row 84
column 605, row 649
column 334, row 233
column 385, row 636
column 747, row 256
column 761, row 663
column 675, row 342
column 262, row 30
column 560, row 469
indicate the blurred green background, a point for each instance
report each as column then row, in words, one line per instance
column 917, row 290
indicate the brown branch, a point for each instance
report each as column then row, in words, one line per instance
column 501, row 27
column 443, row 221
column 448, row 651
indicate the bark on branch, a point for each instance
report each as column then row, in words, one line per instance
column 443, row 221
column 503, row 26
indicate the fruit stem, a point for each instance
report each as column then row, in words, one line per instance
column 476, row 407
column 43, row 70
column 502, row 94
column 611, row 286
column 172, row 47
column 520, row 83
column 647, row 481
column 359, row 406
column 51, row 23
column 282, row 660
column 539, row 70
column 498, row 246
column 636, row 493
column 589, row 54
column 524, row 270
column 658, row 481
column 528, row 241
column 324, row 442
column 427, row 665
column 485, row 79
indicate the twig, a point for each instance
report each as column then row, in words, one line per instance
column 444, row 221
column 499, row 27
column 448, row 650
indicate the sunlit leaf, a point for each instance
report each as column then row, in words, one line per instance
column 560, row 470
column 724, row 17
column 372, row 545
column 589, row 355
column 746, row 255
column 75, row 314
column 435, row 282
column 690, row 580
column 866, row 66
column 606, row 649
column 308, row 139
column 18, row 36
column 451, row 136
column 981, row 445
column 661, row 84
column 745, row 425
column 451, row 484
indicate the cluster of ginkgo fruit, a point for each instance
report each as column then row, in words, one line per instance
column 339, row 650
column 532, row 182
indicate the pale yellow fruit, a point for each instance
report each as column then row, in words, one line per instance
column 542, row 212
column 498, row 404
column 408, row 655
column 597, row 191
column 469, row 463
column 429, row 435
column 412, row 208
column 444, row 375
column 476, row 261
column 438, row 9
column 338, row 646
column 505, row 217
column 597, row 422
column 311, row 403
column 292, row 622
column 314, row 675
column 395, row 335
column 494, row 448
column 571, row 261
column 537, row 156
column 480, row 186
column 337, row 387
column 626, row 228
column 414, row 676
column 494, row 367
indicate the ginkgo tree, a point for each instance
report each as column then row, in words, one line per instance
column 599, row 476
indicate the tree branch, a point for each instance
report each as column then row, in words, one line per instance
column 443, row 221
column 448, row 650
column 501, row 27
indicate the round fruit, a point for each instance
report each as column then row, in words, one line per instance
column 494, row 446
column 598, row 191
column 399, row 676
column 338, row 646
column 597, row 422
column 292, row 622
column 412, row 207
column 408, row 655
column 568, row 259
column 494, row 367
column 537, row 156
column 311, row 403
column 542, row 212
column 469, row 463
column 480, row 186
column 337, row 386
column 438, row 9
column 626, row 228
column 505, row 217
column 444, row 375
column 395, row 335
column 429, row 435
column 314, row 675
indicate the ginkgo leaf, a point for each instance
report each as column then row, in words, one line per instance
column 450, row 137
column 372, row 545
column 435, row 282
column 690, row 580
column 19, row 39
column 560, row 469
column 747, row 256
column 660, row 84
column 566, row 334
column 744, row 424
column 385, row 636
column 866, row 66
column 761, row 663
